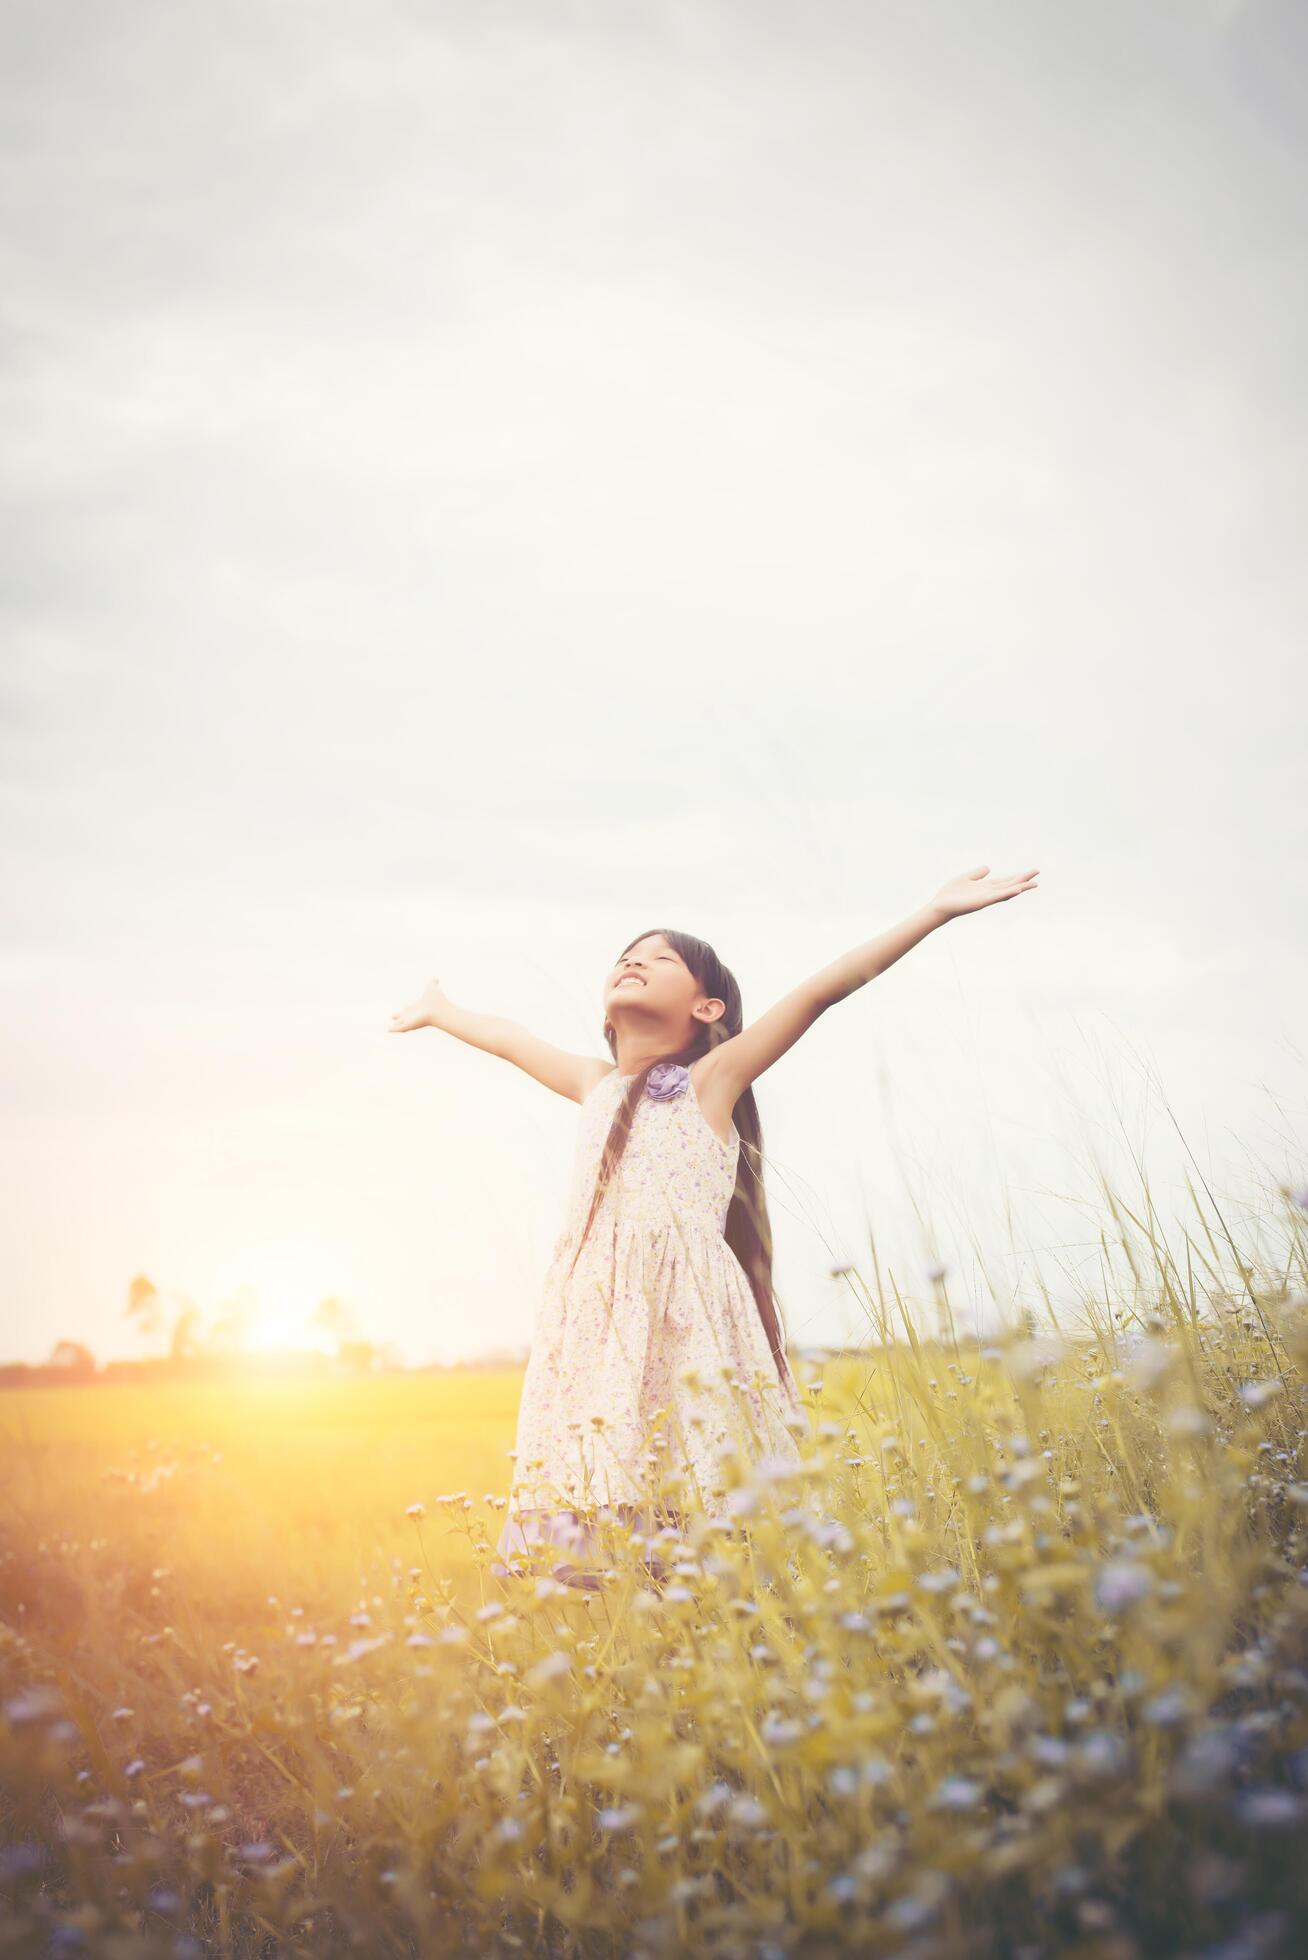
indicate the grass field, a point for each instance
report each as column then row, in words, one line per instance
column 1018, row 1666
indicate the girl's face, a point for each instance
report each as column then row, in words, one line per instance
column 651, row 988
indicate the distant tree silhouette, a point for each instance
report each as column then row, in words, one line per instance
column 235, row 1318
column 361, row 1356
column 187, row 1337
column 144, row 1304
column 331, row 1316
column 72, row 1355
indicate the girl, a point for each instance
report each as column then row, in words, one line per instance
column 658, row 1334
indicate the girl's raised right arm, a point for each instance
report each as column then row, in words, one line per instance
column 568, row 1075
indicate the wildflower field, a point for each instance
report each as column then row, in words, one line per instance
column 1017, row 1665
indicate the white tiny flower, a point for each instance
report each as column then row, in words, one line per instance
column 619, row 1817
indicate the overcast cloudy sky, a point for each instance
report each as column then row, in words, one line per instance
column 479, row 481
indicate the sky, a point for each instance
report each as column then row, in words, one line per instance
column 481, row 481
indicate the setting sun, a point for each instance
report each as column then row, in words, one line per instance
column 272, row 1298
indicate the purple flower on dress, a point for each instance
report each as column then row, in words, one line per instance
column 666, row 1079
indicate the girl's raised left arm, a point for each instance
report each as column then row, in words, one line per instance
column 742, row 1058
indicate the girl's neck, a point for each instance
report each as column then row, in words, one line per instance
column 636, row 1065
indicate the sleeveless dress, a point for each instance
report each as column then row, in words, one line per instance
column 655, row 1292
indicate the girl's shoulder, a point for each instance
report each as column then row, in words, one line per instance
column 593, row 1074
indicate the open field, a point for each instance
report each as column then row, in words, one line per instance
column 1019, row 1666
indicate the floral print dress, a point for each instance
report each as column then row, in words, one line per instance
column 649, row 1355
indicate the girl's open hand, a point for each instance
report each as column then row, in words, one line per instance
column 974, row 889
column 419, row 1015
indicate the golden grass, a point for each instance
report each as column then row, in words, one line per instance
column 1018, row 1664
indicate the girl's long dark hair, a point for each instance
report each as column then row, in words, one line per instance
column 748, row 1229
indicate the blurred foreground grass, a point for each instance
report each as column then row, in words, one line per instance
column 1018, row 1665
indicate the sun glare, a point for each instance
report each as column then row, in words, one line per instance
column 270, row 1298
